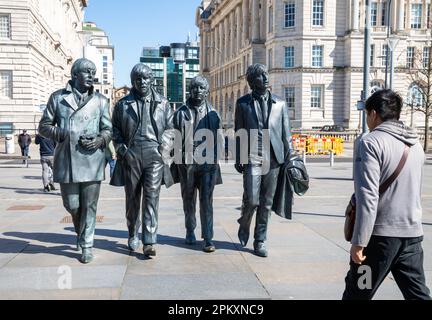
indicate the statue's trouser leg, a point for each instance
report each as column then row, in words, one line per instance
column 151, row 182
column 133, row 191
column 80, row 200
column 189, row 195
column 251, row 191
column 71, row 202
column 206, row 183
column 89, row 196
column 267, row 192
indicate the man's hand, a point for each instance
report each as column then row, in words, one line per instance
column 357, row 254
column 93, row 144
column 239, row 168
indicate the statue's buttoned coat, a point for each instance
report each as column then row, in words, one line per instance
column 64, row 122
column 125, row 126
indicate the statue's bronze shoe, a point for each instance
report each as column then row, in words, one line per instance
column 149, row 250
column 133, row 243
column 243, row 236
column 209, row 247
column 260, row 249
column 87, row 255
column 190, row 238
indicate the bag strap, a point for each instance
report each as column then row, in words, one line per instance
column 383, row 188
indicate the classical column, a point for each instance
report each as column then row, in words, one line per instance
column 263, row 19
column 238, row 35
column 255, row 21
column 226, row 44
column 205, row 47
column 424, row 13
column 219, row 49
column 245, row 21
column 400, row 9
column 408, row 14
column 209, row 48
column 233, row 33
column 355, row 11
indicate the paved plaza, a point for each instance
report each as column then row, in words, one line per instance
column 308, row 256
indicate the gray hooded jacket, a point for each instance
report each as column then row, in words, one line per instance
column 398, row 212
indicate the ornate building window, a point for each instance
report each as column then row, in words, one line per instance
column 384, row 55
column 5, row 32
column 5, row 84
column 316, row 97
column 290, row 11
column 289, row 57
column 317, row 56
column 415, row 97
column 426, row 57
column 374, row 13
column 416, row 15
column 410, row 57
column 290, row 97
column 318, row 13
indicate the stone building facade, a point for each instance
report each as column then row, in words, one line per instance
column 39, row 40
column 98, row 49
column 314, row 52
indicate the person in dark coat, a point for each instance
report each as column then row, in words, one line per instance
column 77, row 118
column 264, row 118
column 46, row 150
column 142, row 136
column 24, row 141
column 198, row 176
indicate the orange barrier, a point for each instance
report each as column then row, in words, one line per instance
column 316, row 146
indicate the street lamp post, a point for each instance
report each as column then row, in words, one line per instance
column 366, row 64
column 366, row 69
column 392, row 43
column 388, row 47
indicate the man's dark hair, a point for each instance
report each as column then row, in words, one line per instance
column 254, row 71
column 140, row 69
column 386, row 103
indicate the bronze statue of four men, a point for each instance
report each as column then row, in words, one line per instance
column 156, row 146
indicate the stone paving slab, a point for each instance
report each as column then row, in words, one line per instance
column 222, row 285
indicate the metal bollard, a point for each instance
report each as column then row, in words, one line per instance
column 331, row 159
column 304, row 157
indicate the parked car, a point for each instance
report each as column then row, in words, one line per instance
column 332, row 128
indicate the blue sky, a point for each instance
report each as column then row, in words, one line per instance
column 133, row 24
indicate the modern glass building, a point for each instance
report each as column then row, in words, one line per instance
column 173, row 66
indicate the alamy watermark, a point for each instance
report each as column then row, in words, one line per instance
column 202, row 147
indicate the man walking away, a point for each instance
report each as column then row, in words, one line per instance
column 388, row 227
column 46, row 149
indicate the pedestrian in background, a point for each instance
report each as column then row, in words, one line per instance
column 24, row 141
column 388, row 226
column 111, row 157
column 46, row 150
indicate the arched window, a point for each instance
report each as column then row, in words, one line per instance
column 376, row 85
column 415, row 97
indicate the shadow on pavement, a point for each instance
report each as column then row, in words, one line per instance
column 32, row 191
column 319, row 214
column 333, row 178
column 67, row 244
